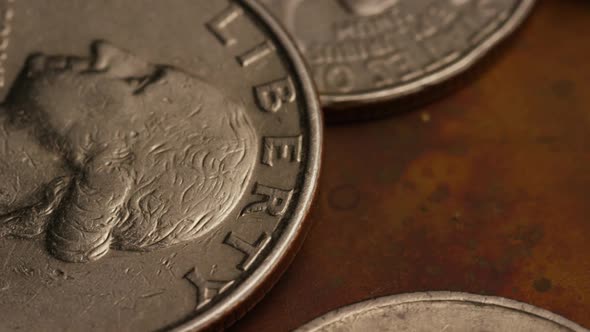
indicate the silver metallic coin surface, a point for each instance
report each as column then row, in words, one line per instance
column 363, row 51
column 440, row 311
column 157, row 160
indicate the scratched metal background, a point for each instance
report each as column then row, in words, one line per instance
column 484, row 191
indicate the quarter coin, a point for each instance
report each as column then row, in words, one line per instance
column 366, row 51
column 441, row 311
column 157, row 160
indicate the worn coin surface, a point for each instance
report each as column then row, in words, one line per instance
column 157, row 159
column 363, row 51
column 440, row 311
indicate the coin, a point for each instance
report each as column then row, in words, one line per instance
column 440, row 311
column 157, row 160
column 366, row 51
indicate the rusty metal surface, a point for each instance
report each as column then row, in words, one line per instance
column 486, row 191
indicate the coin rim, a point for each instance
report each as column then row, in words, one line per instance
column 395, row 300
column 252, row 289
column 345, row 100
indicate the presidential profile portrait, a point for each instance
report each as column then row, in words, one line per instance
column 110, row 151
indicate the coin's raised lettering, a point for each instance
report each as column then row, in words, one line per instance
column 272, row 96
column 251, row 251
column 218, row 25
column 282, row 148
column 339, row 77
column 275, row 201
column 207, row 289
column 256, row 54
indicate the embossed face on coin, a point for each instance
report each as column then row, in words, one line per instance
column 163, row 179
column 138, row 175
column 364, row 51
column 440, row 311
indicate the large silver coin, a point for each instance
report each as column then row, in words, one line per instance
column 364, row 51
column 441, row 311
column 157, row 159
